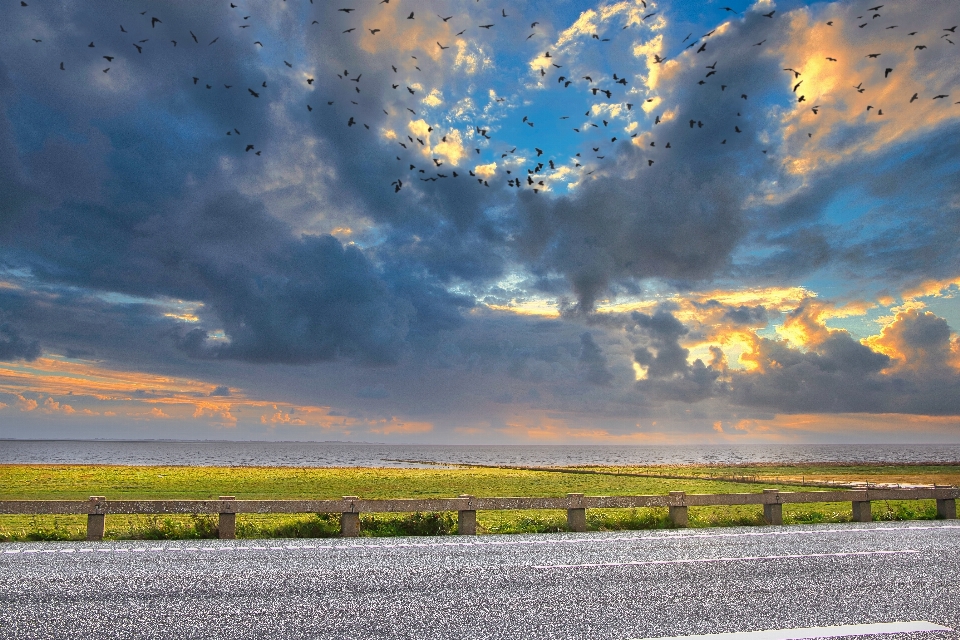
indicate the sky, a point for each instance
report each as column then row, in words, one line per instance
column 452, row 221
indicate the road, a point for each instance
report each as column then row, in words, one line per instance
column 620, row 586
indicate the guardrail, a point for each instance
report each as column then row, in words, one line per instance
column 96, row 508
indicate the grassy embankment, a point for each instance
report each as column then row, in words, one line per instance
column 79, row 482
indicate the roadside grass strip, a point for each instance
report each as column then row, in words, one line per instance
column 840, row 631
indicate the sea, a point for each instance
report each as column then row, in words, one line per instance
column 345, row 454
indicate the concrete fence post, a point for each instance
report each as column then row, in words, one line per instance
column 773, row 512
column 861, row 511
column 350, row 521
column 467, row 519
column 576, row 514
column 227, row 523
column 947, row 508
column 678, row 509
column 96, row 518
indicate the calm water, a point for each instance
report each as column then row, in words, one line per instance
column 321, row 454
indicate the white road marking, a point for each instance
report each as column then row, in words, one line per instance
column 819, row 632
column 723, row 559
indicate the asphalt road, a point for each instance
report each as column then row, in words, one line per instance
column 619, row 585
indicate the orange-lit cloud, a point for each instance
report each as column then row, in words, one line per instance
column 830, row 85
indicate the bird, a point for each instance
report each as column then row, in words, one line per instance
column 410, row 17
column 373, row 32
column 486, row 26
column 139, row 48
column 442, row 47
column 914, row 97
column 444, row 19
column 253, row 93
column 769, row 15
column 873, row 55
column 887, row 72
column 347, row 11
column 154, row 21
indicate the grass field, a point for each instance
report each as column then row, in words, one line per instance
column 38, row 482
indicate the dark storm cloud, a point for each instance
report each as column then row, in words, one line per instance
column 13, row 346
column 680, row 219
column 674, row 226
column 907, row 227
column 136, row 207
column 669, row 375
column 840, row 374
column 592, row 361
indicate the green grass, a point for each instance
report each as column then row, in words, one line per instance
column 39, row 482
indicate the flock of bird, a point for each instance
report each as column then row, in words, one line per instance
column 533, row 176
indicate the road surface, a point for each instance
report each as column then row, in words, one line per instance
column 625, row 585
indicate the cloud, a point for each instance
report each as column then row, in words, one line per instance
column 592, row 361
column 834, row 373
column 14, row 347
column 26, row 404
column 667, row 374
column 671, row 226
